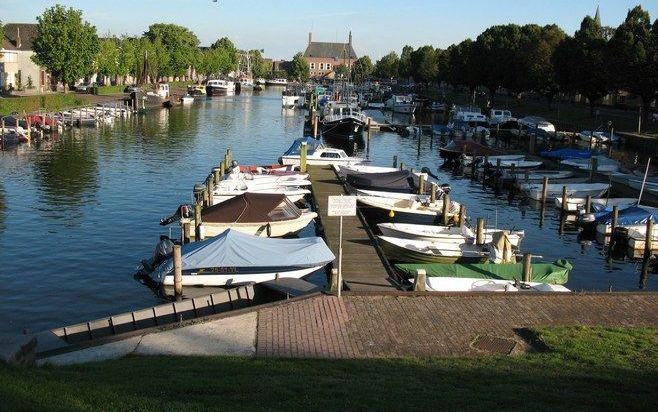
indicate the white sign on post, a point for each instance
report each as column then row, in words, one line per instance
column 341, row 206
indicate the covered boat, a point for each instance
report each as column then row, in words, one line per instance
column 401, row 181
column 634, row 217
column 259, row 214
column 555, row 273
column 566, row 153
column 234, row 258
column 415, row 209
column 534, row 191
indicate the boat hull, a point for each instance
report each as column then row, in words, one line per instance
column 262, row 229
column 347, row 128
column 396, row 253
column 235, row 276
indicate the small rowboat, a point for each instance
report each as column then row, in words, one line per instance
column 534, row 191
column 420, row 251
column 575, row 204
column 448, row 234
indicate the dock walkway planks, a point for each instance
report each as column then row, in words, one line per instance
column 363, row 269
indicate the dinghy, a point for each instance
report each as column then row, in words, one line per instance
column 233, row 258
column 448, row 234
column 408, row 250
column 488, row 285
column 575, row 204
column 293, row 193
column 604, row 164
column 534, row 191
column 411, row 209
column 396, row 195
column 536, row 175
column 518, row 164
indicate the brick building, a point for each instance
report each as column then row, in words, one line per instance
column 323, row 57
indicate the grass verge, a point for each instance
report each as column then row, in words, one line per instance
column 49, row 102
column 584, row 368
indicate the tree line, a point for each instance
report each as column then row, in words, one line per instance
column 594, row 61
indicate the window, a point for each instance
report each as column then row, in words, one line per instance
column 312, row 66
column 321, row 66
column 330, row 155
column 328, row 66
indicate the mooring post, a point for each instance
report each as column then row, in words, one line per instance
column 316, row 120
column 29, row 130
column 419, row 280
column 462, row 215
column 395, row 158
column 615, row 219
column 209, row 188
column 333, row 285
column 217, row 176
column 369, row 124
column 446, row 209
column 401, row 165
column 595, row 167
column 564, row 199
column 197, row 222
column 588, row 204
column 434, row 188
column 648, row 248
column 178, row 273
column 229, row 155
column 479, row 233
column 186, row 233
column 544, row 189
column 222, row 169
column 421, row 183
column 527, row 267
column 206, row 196
column 302, row 157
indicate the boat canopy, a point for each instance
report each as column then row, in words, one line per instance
column 238, row 250
column 556, row 273
column 249, row 208
column 295, row 148
column 568, row 154
column 634, row 215
column 398, row 181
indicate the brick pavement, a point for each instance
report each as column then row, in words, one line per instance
column 363, row 326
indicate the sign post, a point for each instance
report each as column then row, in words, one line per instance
column 341, row 206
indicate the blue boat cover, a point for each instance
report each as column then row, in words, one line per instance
column 633, row 215
column 239, row 250
column 294, row 149
column 568, row 154
column 441, row 129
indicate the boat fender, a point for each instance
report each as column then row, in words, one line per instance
column 588, row 218
column 268, row 228
column 391, row 214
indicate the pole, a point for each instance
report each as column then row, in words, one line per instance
column 178, row 273
column 595, row 168
column 527, row 267
column 369, row 123
column 588, row 204
column 340, row 257
column 434, row 188
column 564, row 199
column 462, row 215
column 479, row 234
column 644, row 180
column 648, row 247
column 615, row 219
column 210, row 188
column 316, row 120
column 302, row 157
column 197, row 222
column 639, row 120
column 544, row 189
column 446, row 208
column 395, row 158
column 420, row 279
column 421, row 184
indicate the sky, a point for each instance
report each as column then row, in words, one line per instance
column 281, row 27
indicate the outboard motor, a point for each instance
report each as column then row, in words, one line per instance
column 618, row 242
column 183, row 211
column 445, row 187
column 163, row 249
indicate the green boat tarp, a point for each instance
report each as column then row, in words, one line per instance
column 556, row 273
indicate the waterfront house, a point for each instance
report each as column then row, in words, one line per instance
column 17, row 70
column 323, row 57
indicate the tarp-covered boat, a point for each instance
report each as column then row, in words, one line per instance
column 555, row 273
column 402, row 181
column 634, row 217
column 233, row 258
column 568, row 154
column 295, row 147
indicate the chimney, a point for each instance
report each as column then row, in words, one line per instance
column 309, row 37
column 350, row 38
column 18, row 37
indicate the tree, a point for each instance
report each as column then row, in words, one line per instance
column 299, row 68
column 127, row 63
column 65, row 44
column 459, row 67
column 362, row 68
column 259, row 67
column 229, row 49
column 425, row 64
column 179, row 48
column 580, row 63
column 538, row 45
column 107, row 58
column 387, row 66
column 2, row 33
column 632, row 56
column 404, row 66
column 341, row 71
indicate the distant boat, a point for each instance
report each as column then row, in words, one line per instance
column 218, row 87
column 293, row 97
column 317, row 154
column 344, row 122
column 233, row 258
column 187, row 99
column 276, row 82
column 534, row 191
column 401, row 104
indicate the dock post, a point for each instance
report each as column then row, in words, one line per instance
column 186, row 233
column 544, row 189
column 615, row 219
column 197, row 222
column 588, row 204
column 209, row 188
column 497, row 175
column 178, row 273
column 527, row 267
column 316, row 120
column 446, row 209
column 333, row 281
column 648, row 247
column 421, row 184
column 479, row 234
column 462, row 215
column 229, row 155
column 434, row 188
column 206, row 197
column 216, row 175
column 513, row 170
column 302, row 157
column 222, row 168
column 369, row 123
column 395, row 158
column 29, row 130
column 595, row 167
column 419, row 280
column 564, row 199
column 198, row 192
column 401, row 165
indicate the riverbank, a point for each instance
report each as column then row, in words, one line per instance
column 51, row 102
column 581, row 368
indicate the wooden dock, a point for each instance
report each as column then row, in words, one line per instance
column 364, row 269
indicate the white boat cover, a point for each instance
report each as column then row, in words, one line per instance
column 238, row 250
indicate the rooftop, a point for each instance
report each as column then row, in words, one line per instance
column 330, row 50
column 19, row 36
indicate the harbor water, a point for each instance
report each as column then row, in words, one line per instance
column 78, row 213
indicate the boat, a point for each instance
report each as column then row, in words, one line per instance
column 455, row 148
column 534, row 190
column 597, row 137
column 494, row 159
column 233, row 258
column 563, row 154
column 196, row 90
column 317, row 154
column 454, row 234
column 556, row 273
column 187, row 99
column 536, row 175
column 258, row 214
column 575, row 204
column 604, row 164
column 448, row 284
column 261, row 81
column 227, row 189
column 401, row 104
column 632, row 218
column 536, row 122
column 402, row 181
column 397, row 195
column 276, row 82
column 650, row 186
column 499, row 116
column 636, row 243
column 273, row 177
column 344, row 169
column 517, row 164
column 219, row 87
column 421, row 251
column 293, row 97
column 344, row 122
column 246, row 84
column 415, row 209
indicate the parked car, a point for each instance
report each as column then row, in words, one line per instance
column 84, row 87
column 132, row 88
column 537, row 122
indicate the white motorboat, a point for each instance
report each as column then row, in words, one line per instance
column 498, row 116
column 575, row 204
column 292, row 179
column 233, row 258
column 293, row 97
column 323, row 156
column 265, row 182
column 187, row 99
column 604, row 164
column 494, row 159
column 246, row 84
column 276, row 82
column 258, row 214
column 518, row 164
column 447, row 234
column 452, row 284
column 401, row 104
column 261, row 81
column 217, row 87
column 650, row 186
column 294, row 193
column 632, row 218
column 410, row 205
column 537, row 175
column 534, row 190
column 421, row 251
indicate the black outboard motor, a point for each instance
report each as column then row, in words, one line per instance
column 445, row 187
column 183, row 211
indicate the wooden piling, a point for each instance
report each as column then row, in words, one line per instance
column 588, row 204
column 544, row 190
column 646, row 257
column 421, row 184
column 222, row 169
column 564, row 199
column 186, row 233
column 527, row 267
column 178, row 272
column 302, row 157
column 479, row 233
column 401, row 165
column 462, row 215
column 419, row 280
column 615, row 219
column 229, row 155
column 315, row 125
column 369, row 124
column 595, row 167
column 433, row 189
column 333, row 281
column 216, row 172
column 197, row 222
column 395, row 158
column 446, row 209
column 209, row 188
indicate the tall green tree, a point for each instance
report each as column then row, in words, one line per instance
column 387, row 66
column 259, row 67
column 362, row 68
column 425, row 64
column 459, row 65
column 127, row 64
column 300, row 69
column 580, row 64
column 229, row 50
column 632, row 56
column 65, row 44
column 341, row 71
column 107, row 58
column 404, row 67
column 180, row 46
column 538, row 45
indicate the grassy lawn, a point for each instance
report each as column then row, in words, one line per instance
column 583, row 368
column 49, row 102
column 105, row 90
